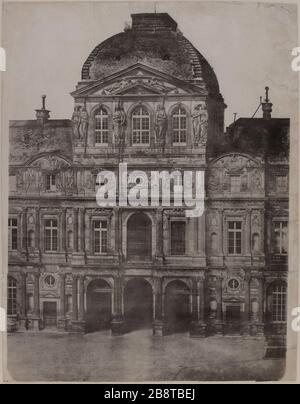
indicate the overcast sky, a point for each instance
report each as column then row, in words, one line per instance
column 248, row 45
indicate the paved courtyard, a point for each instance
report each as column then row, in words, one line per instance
column 137, row 357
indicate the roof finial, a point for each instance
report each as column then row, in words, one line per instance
column 267, row 106
column 267, row 94
column 44, row 101
column 43, row 114
column 234, row 116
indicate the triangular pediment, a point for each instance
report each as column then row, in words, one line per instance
column 138, row 79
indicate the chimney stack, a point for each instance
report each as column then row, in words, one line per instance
column 267, row 106
column 42, row 115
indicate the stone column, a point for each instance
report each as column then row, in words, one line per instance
column 246, row 314
column 217, row 325
column 247, row 237
column 75, row 214
column 36, row 312
column 166, row 235
column 260, row 325
column 201, row 234
column 75, row 298
column 63, row 226
column 117, row 326
column 23, row 308
column 62, row 322
column 77, row 324
column 159, row 233
column 24, row 229
column 269, row 229
column 38, row 230
column 158, row 325
column 81, row 299
column 118, row 236
column 81, row 230
column 198, row 326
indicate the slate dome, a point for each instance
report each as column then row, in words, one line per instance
column 153, row 40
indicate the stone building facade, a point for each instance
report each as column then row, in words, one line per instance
column 147, row 97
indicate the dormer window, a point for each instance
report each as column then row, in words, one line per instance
column 101, row 127
column 51, row 182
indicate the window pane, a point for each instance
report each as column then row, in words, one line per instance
column 100, row 237
column 178, row 238
column 12, row 297
column 179, row 125
column 101, row 127
column 140, row 126
column 279, row 304
column 12, row 234
column 234, row 237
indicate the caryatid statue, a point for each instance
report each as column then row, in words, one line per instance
column 119, row 124
column 161, row 125
column 76, row 120
column 84, row 124
column 200, row 125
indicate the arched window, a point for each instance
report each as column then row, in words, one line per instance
column 179, row 126
column 279, row 303
column 140, row 126
column 12, row 297
column 101, row 127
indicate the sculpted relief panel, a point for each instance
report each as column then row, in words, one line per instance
column 34, row 178
column 235, row 174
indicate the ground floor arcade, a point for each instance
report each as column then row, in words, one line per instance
column 203, row 305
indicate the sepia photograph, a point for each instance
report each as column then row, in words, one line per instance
column 151, row 178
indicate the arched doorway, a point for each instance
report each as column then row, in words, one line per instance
column 177, row 307
column 138, row 304
column 99, row 306
column 139, row 237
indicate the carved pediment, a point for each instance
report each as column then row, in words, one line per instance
column 138, row 79
column 50, row 162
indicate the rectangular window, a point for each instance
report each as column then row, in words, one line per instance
column 100, row 237
column 178, row 238
column 101, row 127
column 51, row 182
column 235, row 184
column 281, row 237
column 235, row 238
column 279, row 304
column 179, row 127
column 12, row 234
column 51, row 235
column 12, row 297
column 140, row 127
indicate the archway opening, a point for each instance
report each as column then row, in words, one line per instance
column 99, row 306
column 177, row 307
column 139, row 237
column 138, row 304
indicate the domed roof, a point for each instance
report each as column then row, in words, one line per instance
column 153, row 40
